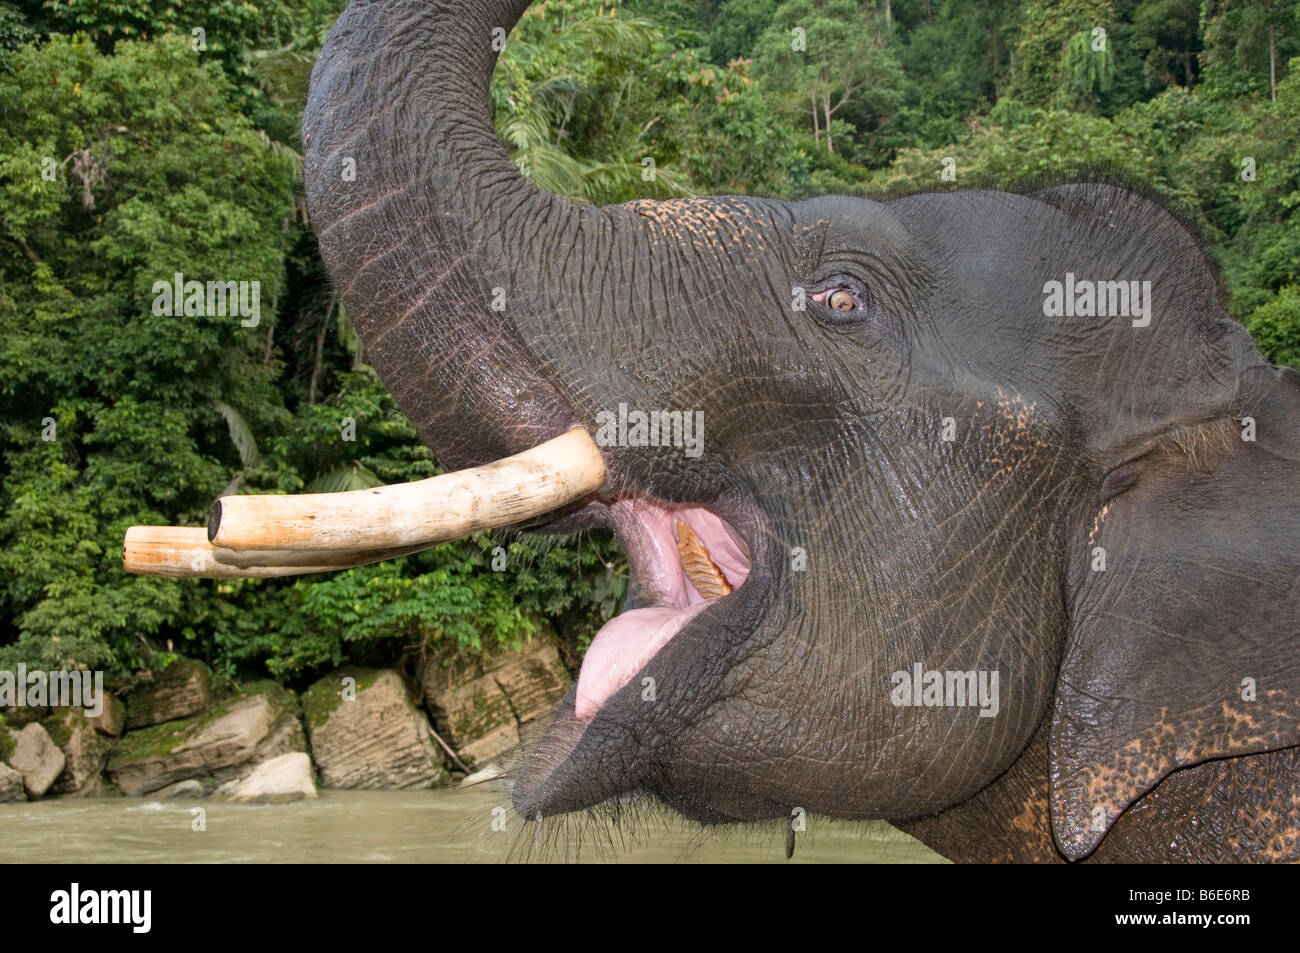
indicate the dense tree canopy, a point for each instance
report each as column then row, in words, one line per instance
column 143, row 138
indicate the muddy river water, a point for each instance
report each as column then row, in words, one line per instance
column 468, row 825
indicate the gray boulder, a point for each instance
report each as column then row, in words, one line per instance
column 189, row 789
column 489, row 772
column 37, row 758
column 11, row 784
column 288, row 777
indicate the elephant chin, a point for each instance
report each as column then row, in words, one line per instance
column 546, row 781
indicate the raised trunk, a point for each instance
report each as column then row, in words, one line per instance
column 498, row 315
column 421, row 218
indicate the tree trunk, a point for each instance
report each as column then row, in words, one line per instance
column 319, row 364
column 997, row 74
column 826, row 106
column 1272, row 63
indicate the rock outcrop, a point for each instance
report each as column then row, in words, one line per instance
column 479, row 706
column 19, row 715
column 471, row 712
column 222, row 744
column 110, row 722
column 182, row 689
column 368, row 733
column 171, row 738
column 85, row 749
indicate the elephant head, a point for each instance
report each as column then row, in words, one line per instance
column 1011, row 439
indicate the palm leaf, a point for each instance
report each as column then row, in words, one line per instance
column 241, row 435
column 351, row 476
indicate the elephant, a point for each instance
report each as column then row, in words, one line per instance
column 990, row 526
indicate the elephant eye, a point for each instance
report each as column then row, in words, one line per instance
column 845, row 298
column 842, row 300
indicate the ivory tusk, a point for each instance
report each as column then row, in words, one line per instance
column 184, row 552
column 419, row 514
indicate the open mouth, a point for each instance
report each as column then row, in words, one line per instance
column 683, row 558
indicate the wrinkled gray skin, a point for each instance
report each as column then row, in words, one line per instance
column 823, row 431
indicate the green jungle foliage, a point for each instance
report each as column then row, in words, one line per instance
column 141, row 138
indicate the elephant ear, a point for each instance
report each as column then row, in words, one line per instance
column 1186, row 645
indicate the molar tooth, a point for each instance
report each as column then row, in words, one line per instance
column 700, row 569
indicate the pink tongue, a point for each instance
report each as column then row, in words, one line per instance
column 622, row 647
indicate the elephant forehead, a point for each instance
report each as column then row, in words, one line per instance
column 711, row 223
